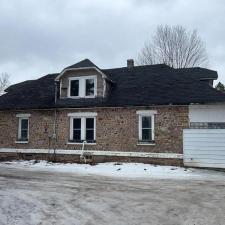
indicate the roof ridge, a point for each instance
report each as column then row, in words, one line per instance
column 141, row 66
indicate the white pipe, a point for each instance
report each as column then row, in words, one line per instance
column 82, row 151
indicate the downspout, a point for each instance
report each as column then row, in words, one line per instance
column 54, row 123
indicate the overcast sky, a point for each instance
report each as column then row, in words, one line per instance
column 44, row 36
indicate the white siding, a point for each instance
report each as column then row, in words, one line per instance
column 207, row 113
column 204, row 147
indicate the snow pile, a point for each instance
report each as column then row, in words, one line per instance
column 130, row 170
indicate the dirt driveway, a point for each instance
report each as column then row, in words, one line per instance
column 34, row 197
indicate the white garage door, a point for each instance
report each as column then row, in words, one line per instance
column 204, row 147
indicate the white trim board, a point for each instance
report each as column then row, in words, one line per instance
column 97, row 153
column 23, row 115
column 82, row 114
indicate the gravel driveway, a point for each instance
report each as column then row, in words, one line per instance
column 34, row 197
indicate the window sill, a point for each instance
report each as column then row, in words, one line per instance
column 81, row 97
column 78, row 143
column 21, row 142
column 147, row 144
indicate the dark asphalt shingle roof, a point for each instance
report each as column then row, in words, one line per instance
column 138, row 86
column 83, row 63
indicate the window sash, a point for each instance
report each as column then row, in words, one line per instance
column 83, row 130
column 82, row 87
column 89, row 90
column 150, row 129
column 90, row 130
column 149, row 135
column 71, row 88
column 23, row 132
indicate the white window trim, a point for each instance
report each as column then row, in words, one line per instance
column 82, row 114
column 83, row 117
column 23, row 115
column 144, row 113
column 19, row 129
column 82, row 86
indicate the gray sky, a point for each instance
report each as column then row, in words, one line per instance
column 44, row 36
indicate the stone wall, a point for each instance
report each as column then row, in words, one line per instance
column 40, row 129
column 116, row 129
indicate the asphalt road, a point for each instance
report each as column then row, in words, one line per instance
column 37, row 198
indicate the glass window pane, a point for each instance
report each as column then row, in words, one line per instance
column 77, row 135
column 89, row 87
column 146, row 134
column 74, row 88
column 24, row 124
column 89, row 135
column 77, row 123
column 90, row 123
column 146, row 122
column 24, row 134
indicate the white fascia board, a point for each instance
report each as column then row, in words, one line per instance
column 23, row 115
column 82, row 114
column 146, row 112
column 82, row 68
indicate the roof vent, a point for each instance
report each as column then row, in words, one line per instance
column 130, row 63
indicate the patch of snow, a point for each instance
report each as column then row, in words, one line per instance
column 129, row 170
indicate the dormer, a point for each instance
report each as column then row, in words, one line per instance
column 83, row 80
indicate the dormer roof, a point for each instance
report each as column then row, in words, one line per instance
column 82, row 65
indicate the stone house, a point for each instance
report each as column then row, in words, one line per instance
column 133, row 113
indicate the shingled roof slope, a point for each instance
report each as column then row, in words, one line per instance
column 82, row 64
column 137, row 86
column 35, row 94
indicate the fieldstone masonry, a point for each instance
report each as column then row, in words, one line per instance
column 116, row 129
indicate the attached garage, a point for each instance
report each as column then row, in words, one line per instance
column 204, row 142
column 204, row 147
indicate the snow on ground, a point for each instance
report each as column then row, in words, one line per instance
column 44, row 194
column 129, row 170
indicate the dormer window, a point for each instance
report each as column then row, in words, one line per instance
column 89, row 87
column 74, row 88
column 82, row 87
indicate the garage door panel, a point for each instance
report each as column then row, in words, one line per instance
column 205, row 157
column 205, row 135
column 204, row 147
column 205, row 131
column 213, row 144
column 206, row 139
column 197, row 149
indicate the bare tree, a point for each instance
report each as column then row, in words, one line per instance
column 174, row 46
column 4, row 82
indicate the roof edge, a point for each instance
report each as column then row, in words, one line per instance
column 82, row 68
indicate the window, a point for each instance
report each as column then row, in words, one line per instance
column 90, row 129
column 89, row 87
column 74, row 88
column 146, row 126
column 82, row 127
column 82, row 87
column 23, row 127
column 77, row 129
